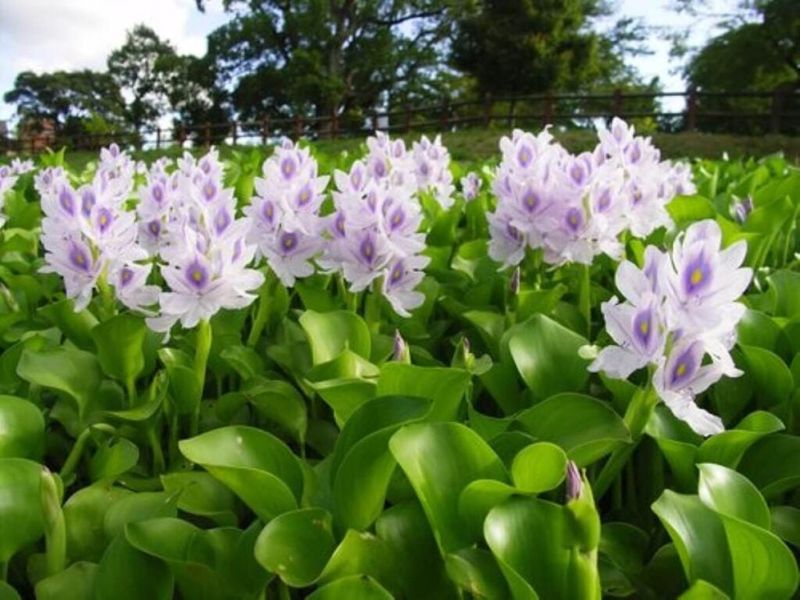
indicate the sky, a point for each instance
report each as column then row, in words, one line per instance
column 49, row 35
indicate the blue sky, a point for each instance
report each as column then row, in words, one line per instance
column 46, row 35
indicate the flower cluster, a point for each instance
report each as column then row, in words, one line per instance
column 470, row 186
column 202, row 245
column 679, row 318
column 89, row 236
column 374, row 235
column 283, row 216
column 575, row 207
column 426, row 168
column 8, row 177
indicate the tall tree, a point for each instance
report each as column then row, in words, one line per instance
column 319, row 56
column 69, row 99
column 144, row 68
column 529, row 46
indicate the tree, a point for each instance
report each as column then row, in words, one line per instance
column 143, row 68
column 524, row 46
column 315, row 57
column 195, row 98
column 69, row 99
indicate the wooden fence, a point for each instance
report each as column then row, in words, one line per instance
column 730, row 112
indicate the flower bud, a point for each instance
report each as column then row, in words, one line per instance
column 400, row 352
column 513, row 285
column 574, row 483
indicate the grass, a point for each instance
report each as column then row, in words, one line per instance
column 478, row 145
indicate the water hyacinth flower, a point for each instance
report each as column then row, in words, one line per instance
column 283, row 216
column 575, row 207
column 471, row 186
column 679, row 318
column 373, row 236
column 90, row 238
column 206, row 253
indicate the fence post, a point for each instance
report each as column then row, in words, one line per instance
column 691, row 110
column 264, row 130
column 375, row 122
column 407, row 117
column 298, row 127
column 487, row 110
column 511, row 108
column 547, row 111
column 445, row 118
column 208, row 134
column 775, row 111
column 234, row 133
column 334, row 123
column 616, row 109
column 158, row 138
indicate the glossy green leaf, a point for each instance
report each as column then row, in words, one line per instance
column 200, row 494
column 209, row 564
column 138, row 507
column 362, row 553
column 729, row 493
column 84, row 514
column 546, row 356
column 7, row 592
column 254, row 464
column 77, row 326
column 702, row 590
column 75, row 582
column 585, row 428
column 758, row 329
column 785, row 293
column 772, row 465
column 297, row 545
column 20, row 505
column 21, row 429
column 354, row 587
column 244, row 360
column 476, row 571
column 771, row 377
column 330, row 333
column 728, row 447
column 539, row 467
column 444, row 386
column 686, row 209
column 115, row 457
column 440, row 460
column 73, row 372
column 120, row 345
column 278, row 402
column 127, row 573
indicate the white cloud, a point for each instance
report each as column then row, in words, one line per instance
column 48, row 35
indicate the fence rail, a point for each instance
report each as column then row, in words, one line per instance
column 757, row 112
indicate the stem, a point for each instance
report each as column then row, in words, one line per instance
column 159, row 466
column 133, row 396
column 55, row 530
column 636, row 417
column 372, row 308
column 200, row 362
column 262, row 314
column 75, row 454
column 108, row 303
column 585, row 299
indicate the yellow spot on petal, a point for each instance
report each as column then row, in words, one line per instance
column 197, row 275
column 644, row 327
column 680, row 371
column 696, row 277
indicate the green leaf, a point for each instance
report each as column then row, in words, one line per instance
column 702, row 590
column 115, row 457
column 784, row 291
column 201, row 494
column 75, row 582
column 546, row 564
column 475, row 571
column 361, row 471
column 406, row 531
column 21, row 429
column 728, row 447
column 77, row 326
column 728, row 493
column 297, row 545
column 214, row 564
column 786, row 524
column 687, row 209
column 73, row 372
column 279, row 402
column 120, row 345
column 330, row 333
column 363, row 554
column 355, row 587
column 771, row 377
column 129, row 574
column 772, row 465
column 254, row 464
column 440, row 460
column 444, row 386
column 758, row 329
column 20, row 505
column 84, row 513
column 586, row 429
column 184, row 386
column 546, row 355
column 138, row 507
column 244, row 360
column 539, row 467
